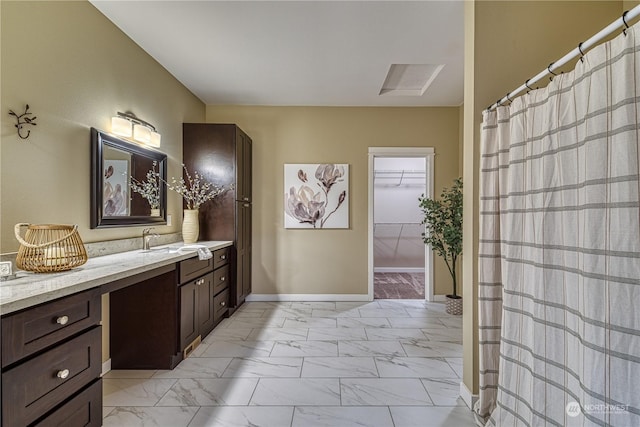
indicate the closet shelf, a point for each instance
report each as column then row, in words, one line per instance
column 389, row 177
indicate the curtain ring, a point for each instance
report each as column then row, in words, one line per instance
column 624, row 21
column 526, row 83
column 552, row 73
column 581, row 52
column 508, row 99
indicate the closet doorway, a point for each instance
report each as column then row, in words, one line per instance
column 400, row 265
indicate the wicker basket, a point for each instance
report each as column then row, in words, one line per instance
column 49, row 248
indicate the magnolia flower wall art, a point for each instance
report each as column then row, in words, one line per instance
column 316, row 196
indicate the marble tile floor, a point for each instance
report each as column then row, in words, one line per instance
column 398, row 286
column 386, row 363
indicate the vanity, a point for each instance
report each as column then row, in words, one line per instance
column 162, row 303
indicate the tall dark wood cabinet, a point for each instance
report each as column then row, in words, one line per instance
column 222, row 154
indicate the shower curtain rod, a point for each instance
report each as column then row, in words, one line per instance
column 575, row 53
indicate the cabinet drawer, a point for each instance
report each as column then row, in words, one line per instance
column 35, row 329
column 220, row 279
column 220, row 304
column 194, row 267
column 84, row 410
column 221, row 257
column 40, row 384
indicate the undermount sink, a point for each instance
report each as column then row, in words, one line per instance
column 159, row 249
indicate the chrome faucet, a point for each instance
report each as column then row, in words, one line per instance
column 146, row 237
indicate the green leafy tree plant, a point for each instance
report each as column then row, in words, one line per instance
column 443, row 221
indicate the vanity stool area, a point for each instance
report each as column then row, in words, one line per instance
column 161, row 305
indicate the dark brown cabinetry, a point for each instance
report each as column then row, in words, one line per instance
column 222, row 153
column 144, row 322
column 51, row 363
column 203, row 299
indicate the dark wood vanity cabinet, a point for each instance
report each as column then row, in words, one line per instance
column 144, row 320
column 222, row 153
column 203, row 297
column 51, row 363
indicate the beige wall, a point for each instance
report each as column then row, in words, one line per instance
column 75, row 69
column 506, row 43
column 290, row 261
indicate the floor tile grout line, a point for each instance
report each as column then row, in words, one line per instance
column 194, row 416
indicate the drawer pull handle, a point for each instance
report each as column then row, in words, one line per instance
column 222, row 279
column 222, row 303
column 63, row 374
column 62, row 320
column 223, row 257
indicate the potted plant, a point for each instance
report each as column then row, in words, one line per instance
column 195, row 191
column 443, row 221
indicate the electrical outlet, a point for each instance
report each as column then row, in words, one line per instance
column 5, row 268
column 168, row 219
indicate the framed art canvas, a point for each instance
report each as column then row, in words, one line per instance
column 316, row 196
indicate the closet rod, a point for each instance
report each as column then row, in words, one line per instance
column 619, row 23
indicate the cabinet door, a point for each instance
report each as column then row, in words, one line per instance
column 205, row 287
column 188, row 314
column 243, row 166
column 243, row 254
column 246, row 259
column 247, row 159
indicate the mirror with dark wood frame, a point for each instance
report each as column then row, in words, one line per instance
column 115, row 164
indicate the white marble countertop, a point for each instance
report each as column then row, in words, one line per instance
column 30, row 289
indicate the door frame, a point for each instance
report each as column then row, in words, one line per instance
column 428, row 154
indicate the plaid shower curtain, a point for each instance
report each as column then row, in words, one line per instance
column 559, row 268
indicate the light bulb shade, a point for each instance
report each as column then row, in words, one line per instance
column 141, row 133
column 155, row 139
column 120, row 126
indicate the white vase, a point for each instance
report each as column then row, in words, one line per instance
column 155, row 212
column 190, row 226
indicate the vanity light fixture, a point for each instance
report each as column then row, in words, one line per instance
column 128, row 125
column 141, row 133
column 121, row 126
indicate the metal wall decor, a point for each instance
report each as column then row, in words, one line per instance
column 22, row 120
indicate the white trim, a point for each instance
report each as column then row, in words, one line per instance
column 402, row 151
column 428, row 153
column 429, row 279
column 106, row 367
column 307, row 297
column 398, row 270
column 467, row 396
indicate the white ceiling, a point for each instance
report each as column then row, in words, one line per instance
column 316, row 53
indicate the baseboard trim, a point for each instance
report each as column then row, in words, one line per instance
column 308, row 297
column 321, row 297
column 106, row 367
column 466, row 395
column 398, row 270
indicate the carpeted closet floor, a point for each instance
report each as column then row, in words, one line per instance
column 398, row 285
